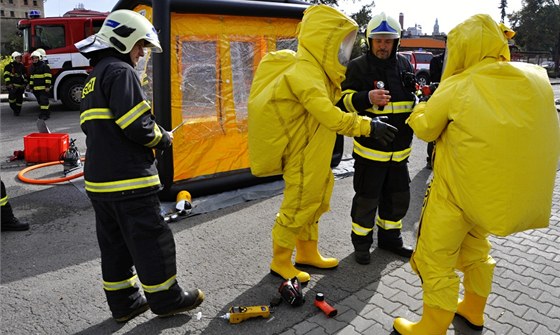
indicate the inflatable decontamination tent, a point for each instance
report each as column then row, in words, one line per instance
column 201, row 83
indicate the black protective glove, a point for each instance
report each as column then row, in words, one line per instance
column 382, row 131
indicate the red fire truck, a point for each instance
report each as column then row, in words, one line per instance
column 57, row 35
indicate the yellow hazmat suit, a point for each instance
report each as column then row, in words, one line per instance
column 498, row 144
column 293, row 123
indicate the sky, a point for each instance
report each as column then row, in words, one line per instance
column 59, row 7
column 449, row 13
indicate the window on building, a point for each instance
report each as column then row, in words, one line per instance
column 26, row 2
column 35, row 3
column 12, row 14
column 2, row 12
column 11, row 2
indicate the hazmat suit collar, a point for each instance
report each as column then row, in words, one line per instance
column 474, row 40
column 321, row 33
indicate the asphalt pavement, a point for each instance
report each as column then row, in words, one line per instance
column 51, row 278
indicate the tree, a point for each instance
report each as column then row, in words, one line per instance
column 503, row 6
column 332, row 3
column 361, row 17
column 537, row 26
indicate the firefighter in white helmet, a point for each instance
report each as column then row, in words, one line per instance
column 40, row 81
column 15, row 78
column 497, row 149
column 381, row 84
column 120, row 173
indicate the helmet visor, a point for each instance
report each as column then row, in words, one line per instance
column 152, row 41
column 92, row 43
column 345, row 50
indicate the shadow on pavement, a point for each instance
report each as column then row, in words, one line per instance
column 336, row 284
column 62, row 232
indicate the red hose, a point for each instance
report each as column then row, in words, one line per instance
column 46, row 181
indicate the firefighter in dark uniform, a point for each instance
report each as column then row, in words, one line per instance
column 40, row 81
column 380, row 83
column 16, row 80
column 121, row 177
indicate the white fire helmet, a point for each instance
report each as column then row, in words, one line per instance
column 121, row 30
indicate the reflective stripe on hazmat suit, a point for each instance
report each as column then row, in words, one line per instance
column 498, row 144
column 293, row 121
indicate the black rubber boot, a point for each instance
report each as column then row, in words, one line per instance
column 391, row 240
column 174, row 301
column 10, row 222
column 362, row 244
column 126, row 304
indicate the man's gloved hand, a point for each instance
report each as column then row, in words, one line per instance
column 381, row 131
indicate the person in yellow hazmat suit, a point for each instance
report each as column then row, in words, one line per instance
column 293, row 122
column 497, row 149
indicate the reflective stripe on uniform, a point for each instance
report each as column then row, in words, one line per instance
column 381, row 156
column 347, row 100
column 157, row 137
column 4, row 201
column 359, row 230
column 122, row 185
column 120, row 285
column 41, row 75
column 399, row 156
column 393, row 108
column 386, row 224
column 374, row 155
column 160, row 287
column 133, row 114
column 96, row 114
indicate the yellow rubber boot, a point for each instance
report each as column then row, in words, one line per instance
column 307, row 254
column 471, row 309
column 434, row 321
column 282, row 266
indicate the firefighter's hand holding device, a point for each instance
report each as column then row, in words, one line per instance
column 379, row 96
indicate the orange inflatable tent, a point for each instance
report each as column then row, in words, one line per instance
column 201, row 83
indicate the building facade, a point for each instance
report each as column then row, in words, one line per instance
column 11, row 11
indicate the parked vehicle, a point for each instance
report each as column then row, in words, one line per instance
column 550, row 68
column 420, row 61
column 57, row 35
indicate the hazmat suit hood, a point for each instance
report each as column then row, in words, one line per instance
column 477, row 38
column 496, row 130
column 294, row 94
column 321, row 35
